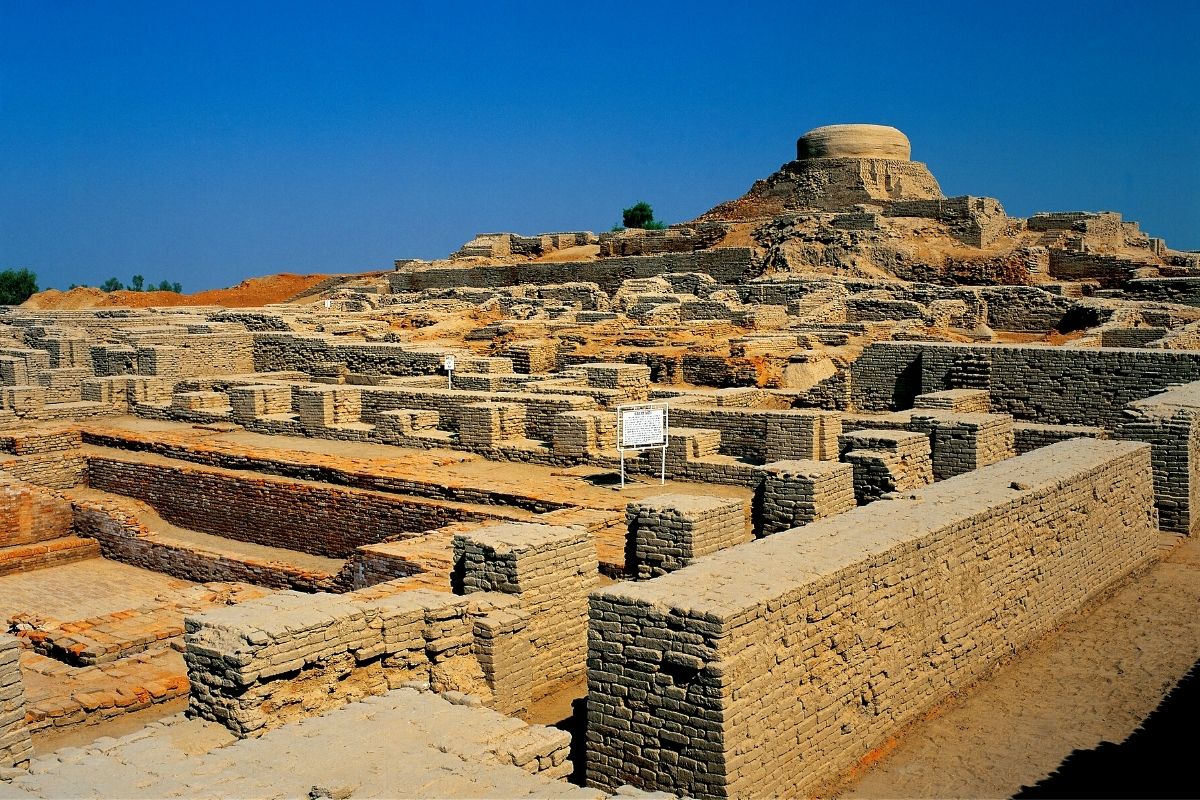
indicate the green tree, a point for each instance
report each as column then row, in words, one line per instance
column 112, row 285
column 16, row 286
column 138, row 283
column 176, row 287
column 641, row 215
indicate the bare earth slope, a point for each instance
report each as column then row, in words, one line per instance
column 250, row 292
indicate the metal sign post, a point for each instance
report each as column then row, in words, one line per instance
column 642, row 426
column 448, row 364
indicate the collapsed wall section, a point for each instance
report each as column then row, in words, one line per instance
column 770, row 668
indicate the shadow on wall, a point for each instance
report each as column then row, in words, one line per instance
column 1157, row 760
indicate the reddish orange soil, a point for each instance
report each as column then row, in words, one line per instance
column 250, row 292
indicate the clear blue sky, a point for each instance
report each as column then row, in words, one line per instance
column 206, row 142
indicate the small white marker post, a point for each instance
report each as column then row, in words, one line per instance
column 642, row 426
column 328, row 304
column 448, row 364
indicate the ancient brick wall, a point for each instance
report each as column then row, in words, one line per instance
column 764, row 435
column 770, row 668
column 1065, row 386
column 726, row 265
column 15, row 746
column 1170, row 423
column 550, row 569
column 667, row 532
column 272, row 511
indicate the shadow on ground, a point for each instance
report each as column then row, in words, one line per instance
column 1157, row 760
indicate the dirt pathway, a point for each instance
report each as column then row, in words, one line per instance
column 1094, row 680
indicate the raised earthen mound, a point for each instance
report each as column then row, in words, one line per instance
column 249, row 293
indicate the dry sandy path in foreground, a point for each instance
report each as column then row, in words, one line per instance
column 1093, row 680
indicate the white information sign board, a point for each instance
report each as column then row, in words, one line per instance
column 448, row 364
column 642, row 426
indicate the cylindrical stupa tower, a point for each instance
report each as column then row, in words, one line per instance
column 878, row 142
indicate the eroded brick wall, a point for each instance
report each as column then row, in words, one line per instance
column 272, row 511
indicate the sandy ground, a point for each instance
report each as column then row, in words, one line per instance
column 1093, row 680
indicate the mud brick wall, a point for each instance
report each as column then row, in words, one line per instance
column 490, row 424
column 29, row 442
column 63, row 385
column 582, row 433
column 771, row 668
column 962, row 442
column 201, row 354
column 332, row 470
column 1171, row 290
column 277, row 352
column 669, row 531
column 1170, row 423
column 799, row 492
column 277, row 659
column 25, row 401
column 762, row 435
column 13, row 371
column 31, row 514
column 121, row 537
column 1024, row 308
column 61, row 470
column 1029, row 436
column 541, row 410
column 963, row 401
column 1110, row 270
column 728, row 265
column 886, row 461
column 266, row 662
column 1054, row 385
column 1130, row 337
column 272, row 511
column 551, row 569
column 248, row 402
column 324, row 406
column 15, row 746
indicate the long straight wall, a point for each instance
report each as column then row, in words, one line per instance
column 1053, row 385
column 770, row 668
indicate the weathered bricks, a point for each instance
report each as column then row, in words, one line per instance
column 769, row 668
column 669, row 531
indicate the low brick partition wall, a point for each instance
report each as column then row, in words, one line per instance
column 669, row 531
column 771, row 668
column 1170, row 423
column 15, row 746
column 961, row 442
column 886, row 461
column 521, row 627
column 276, row 512
column 551, row 569
column 121, row 536
column 963, row 401
column 1029, row 436
column 799, row 492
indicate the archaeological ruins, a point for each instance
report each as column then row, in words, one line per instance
column 906, row 438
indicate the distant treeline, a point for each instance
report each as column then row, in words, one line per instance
column 136, row 284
